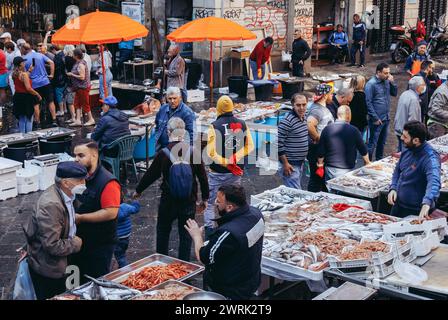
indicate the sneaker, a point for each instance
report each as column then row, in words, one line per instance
column 362, row 66
column 69, row 121
column 75, row 124
column 60, row 114
column 89, row 123
column 54, row 124
column 36, row 126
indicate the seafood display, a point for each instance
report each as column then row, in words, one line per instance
column 363, row 216
column 171, row 291
column 382, row 168
column 151, row 276
column 441, row 141
column 284, row 195
column 444, row 176
column 360, row 183
column 364, row 250
column 326, row 241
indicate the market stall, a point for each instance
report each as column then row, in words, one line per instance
column 156, row 277
column 310, row 237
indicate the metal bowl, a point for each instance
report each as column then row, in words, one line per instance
column 204, row 295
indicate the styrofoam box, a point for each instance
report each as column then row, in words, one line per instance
column 27, row 180
column 196, row 96
column 8, row 188
column 46, row 174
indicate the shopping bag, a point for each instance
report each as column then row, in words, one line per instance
column 23, row 286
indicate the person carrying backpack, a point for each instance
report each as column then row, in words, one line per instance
column 179, row 187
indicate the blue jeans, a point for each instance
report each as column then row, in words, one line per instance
column 184, row 93
column 400, row 144
column 292, row 181
column 216, row 180
column 109, row 78
column 120, row 251
column 362, row 53
column 377, row 140
column 25, row 124
column 253, row 67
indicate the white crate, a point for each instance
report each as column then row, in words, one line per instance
column 8, row 165
column 46, row 174
column 196, row 96
column 8, row 188
column 402, row 228
column 27, row 180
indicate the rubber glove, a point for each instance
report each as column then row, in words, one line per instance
column 259, row 74
column 320, row 172
column 424, row 211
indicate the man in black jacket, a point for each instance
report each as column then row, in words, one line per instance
column 300, row 52
column 172, row 208
column 96, row 214
column 232, row 256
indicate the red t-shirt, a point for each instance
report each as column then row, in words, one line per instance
column 110, row 197
column 3, row 68
column 260, row 54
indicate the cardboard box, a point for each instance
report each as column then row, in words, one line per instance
column 196, row 96
column 240, row 55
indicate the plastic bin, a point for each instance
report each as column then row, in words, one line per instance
column 21, row 151
column 290, row 88
column 57, row 145
column 263, row 92
column 140, row 147
column 238, row 85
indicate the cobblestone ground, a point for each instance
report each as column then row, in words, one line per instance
column 14, row 212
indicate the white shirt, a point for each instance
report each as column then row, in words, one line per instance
column 71, row 214
column 88, row 60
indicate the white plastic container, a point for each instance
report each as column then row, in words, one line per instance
column 8, row 185
column 46, row 165
column 196, row 96
column 27, row 180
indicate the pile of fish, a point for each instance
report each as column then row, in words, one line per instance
column 366, row 217
column 444, row 176
column 361, row 183
column 441, row 141
column 104, row 290
column 284, row 195
column 364, row 250
column 349, row 230
column 298, row 254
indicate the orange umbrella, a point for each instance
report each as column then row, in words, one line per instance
column 210, row 29
column 99, row 27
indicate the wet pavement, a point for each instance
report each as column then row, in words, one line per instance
column 14, row 212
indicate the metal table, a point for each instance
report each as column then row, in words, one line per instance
column 143, row 64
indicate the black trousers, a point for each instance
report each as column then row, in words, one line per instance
column 316, row 183
column 338, row 53
column 297, row 70
column 93, row 261
column 169, row 211
column 45, row 287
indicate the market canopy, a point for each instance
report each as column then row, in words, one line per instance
column 99, row 27
column 211, row 29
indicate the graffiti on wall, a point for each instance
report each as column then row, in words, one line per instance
column 200, row 13
column 303, row 18
column 233, row 14
column 270, row 15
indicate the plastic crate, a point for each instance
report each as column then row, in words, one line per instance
column 404, row 227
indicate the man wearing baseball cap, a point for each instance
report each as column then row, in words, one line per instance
column 415, row 59
column 51, row 230
column 113, row 124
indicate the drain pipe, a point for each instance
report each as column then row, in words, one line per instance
column 220, row 49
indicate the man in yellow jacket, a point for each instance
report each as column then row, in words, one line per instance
column 229, row 141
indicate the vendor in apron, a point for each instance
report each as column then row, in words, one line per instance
column 414, row 61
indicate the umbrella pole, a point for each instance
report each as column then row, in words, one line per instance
column 104, row 72
column 211, row 72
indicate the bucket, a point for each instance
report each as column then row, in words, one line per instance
column 140, row 147
column 21, row 151
column 291, row 88
column 57, row 145
column 263, row 92
column 238, row 85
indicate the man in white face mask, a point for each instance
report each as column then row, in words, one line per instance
column 51, row 231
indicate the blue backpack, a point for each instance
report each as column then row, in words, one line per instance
column 181, row 176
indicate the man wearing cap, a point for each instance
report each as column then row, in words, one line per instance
column 319, row 116
column 415, row 59
column 96, row 214
column 113, row 124
column 51, row 231
column 6, row 37
column 229, row 141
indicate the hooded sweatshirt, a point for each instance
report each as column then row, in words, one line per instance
column 113, row 124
